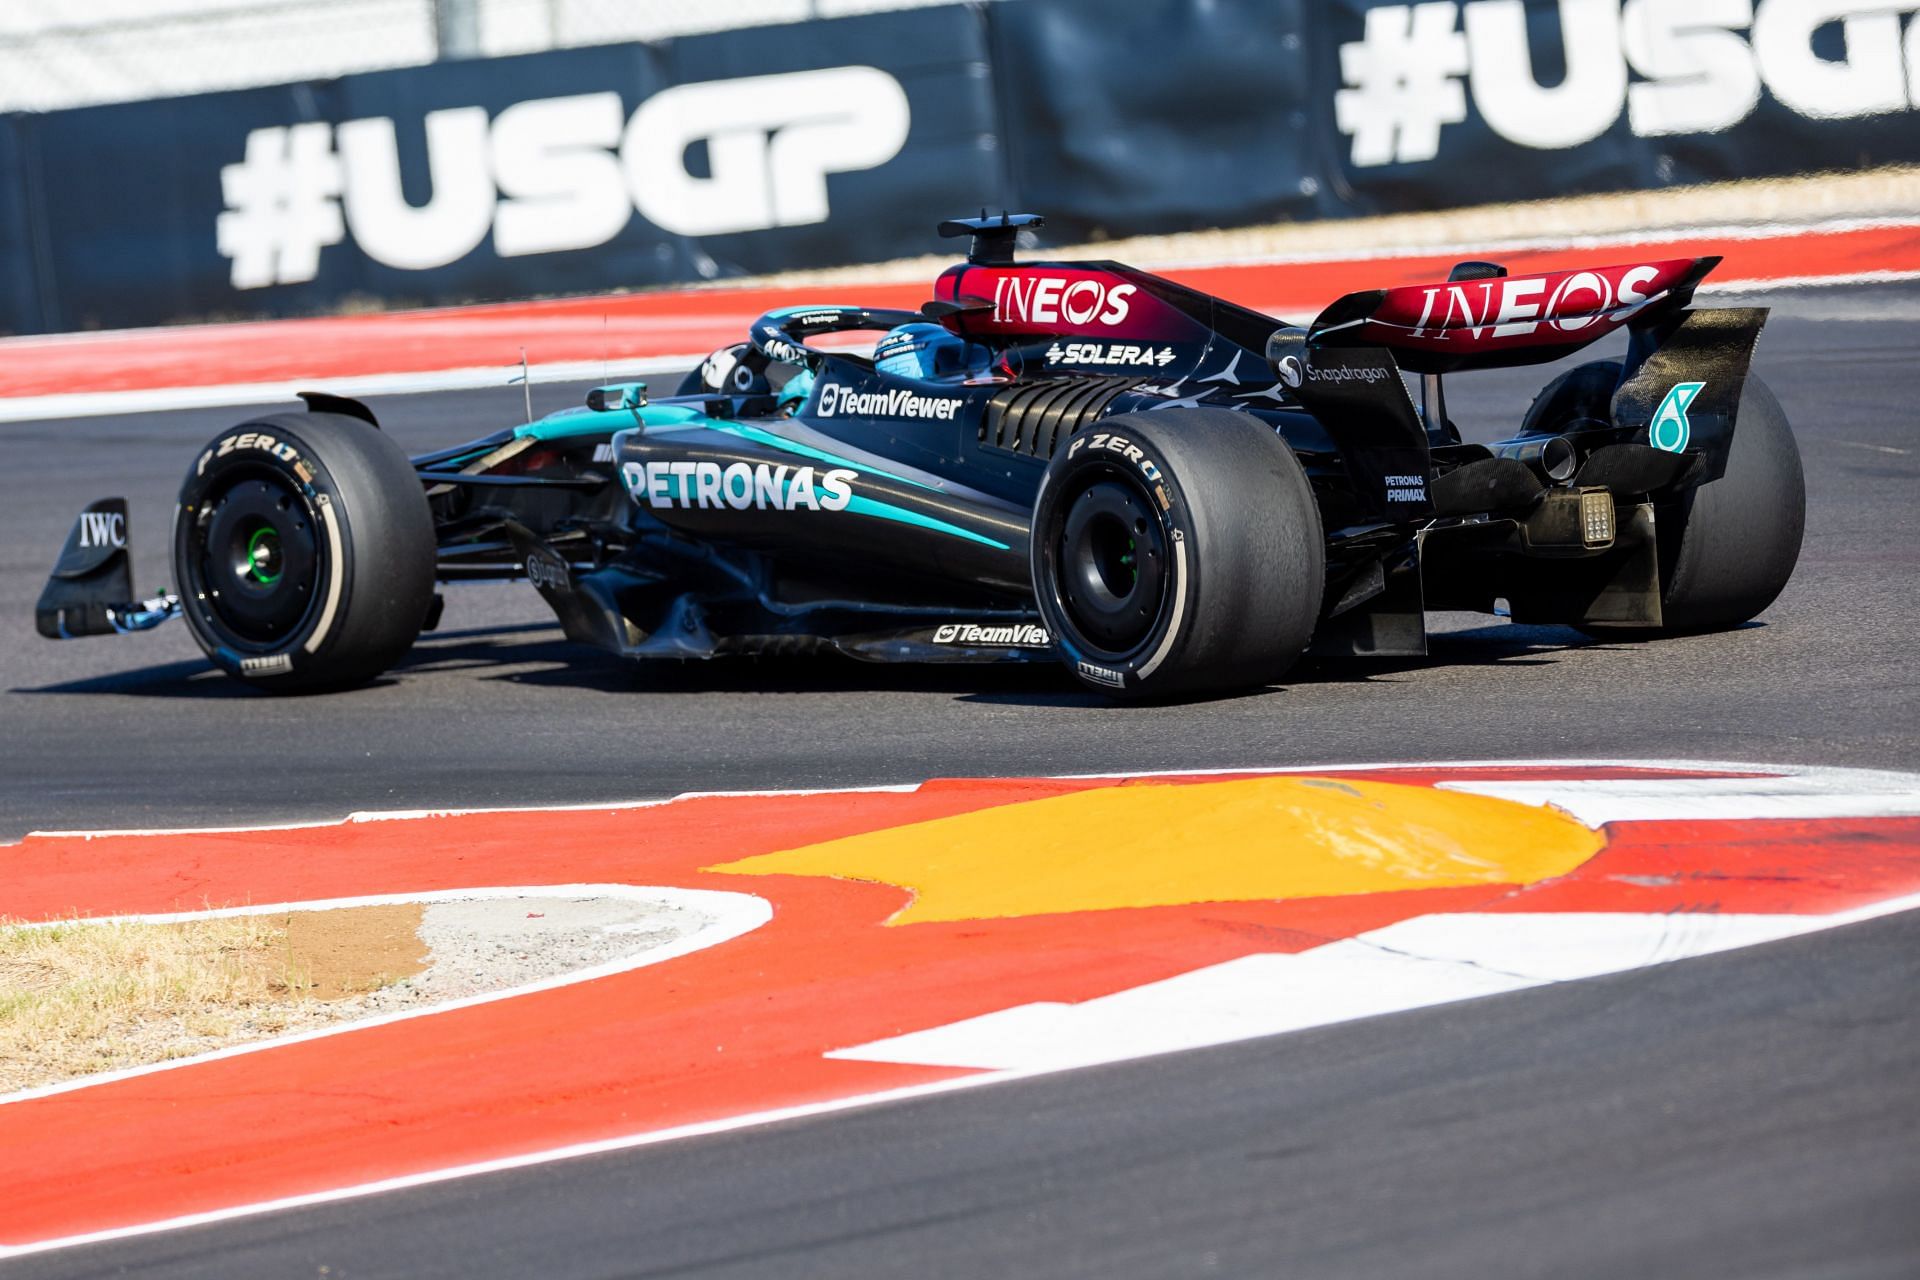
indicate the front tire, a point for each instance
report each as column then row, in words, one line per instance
column 1178, row 552
column 305, row 552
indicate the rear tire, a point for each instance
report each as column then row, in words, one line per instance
column 1581, row 394
column 305, row 552
column 1728, row 547
column 1739, row 535
column 1178, row 552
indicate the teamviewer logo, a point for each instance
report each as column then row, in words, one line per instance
column 556, row 174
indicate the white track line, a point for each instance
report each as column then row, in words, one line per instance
column 412, row 815
column 93, row 404
column 1415, row 963
column 574, row 1152
column 1598, row 801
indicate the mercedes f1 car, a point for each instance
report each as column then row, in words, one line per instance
column 1050, row 461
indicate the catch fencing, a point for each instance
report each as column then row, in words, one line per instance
column 843, row 140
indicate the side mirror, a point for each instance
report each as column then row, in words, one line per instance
column 620, row 395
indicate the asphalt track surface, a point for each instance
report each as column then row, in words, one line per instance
column 1750, row 1114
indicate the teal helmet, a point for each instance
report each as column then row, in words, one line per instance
column 794, row 392
column 926, row 351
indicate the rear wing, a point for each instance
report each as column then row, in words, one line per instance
column 1671, row 419
column 1486, row 319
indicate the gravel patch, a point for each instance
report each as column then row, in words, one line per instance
column 476, row 948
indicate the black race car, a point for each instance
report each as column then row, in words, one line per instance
column 1050, row 461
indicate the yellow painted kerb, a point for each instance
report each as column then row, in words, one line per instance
column 1164, row 845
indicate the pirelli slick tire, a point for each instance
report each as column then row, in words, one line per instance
column 305, row 552
column 1728, row 547
column 1739, row 536
column 1178, row 552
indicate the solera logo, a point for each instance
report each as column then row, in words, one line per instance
column 553, row 174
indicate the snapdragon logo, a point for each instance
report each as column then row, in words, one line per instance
column 548, row 572
column 1674, row 67
column 554, row 174
column 1342, row 373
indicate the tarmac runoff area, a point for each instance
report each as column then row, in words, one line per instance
column 832, row 950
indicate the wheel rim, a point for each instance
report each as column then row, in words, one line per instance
column 254, row 561
column 1109, row 550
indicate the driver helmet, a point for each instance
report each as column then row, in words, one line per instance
column 923, row 351
column 737, row 370
column 795, row 392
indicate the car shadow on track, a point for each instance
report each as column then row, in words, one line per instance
column 199, row 678
column 585, row 669
column 194, row 678
column 1500, row 644
column 535, row 654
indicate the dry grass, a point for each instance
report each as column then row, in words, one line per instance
column 78, row 998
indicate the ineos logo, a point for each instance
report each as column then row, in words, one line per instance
column 1516, row 307
column 1053, row 300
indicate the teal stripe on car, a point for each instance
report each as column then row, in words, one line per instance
column 900, row 515
column 772, row 441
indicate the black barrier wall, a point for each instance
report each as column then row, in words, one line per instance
column 565, row 172
column 1170, row 115
column 842, row 141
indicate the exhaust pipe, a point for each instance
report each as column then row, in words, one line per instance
column 1553, row 457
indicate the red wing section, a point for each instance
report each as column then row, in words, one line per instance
column 1058, row 301
column 1507, row 320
